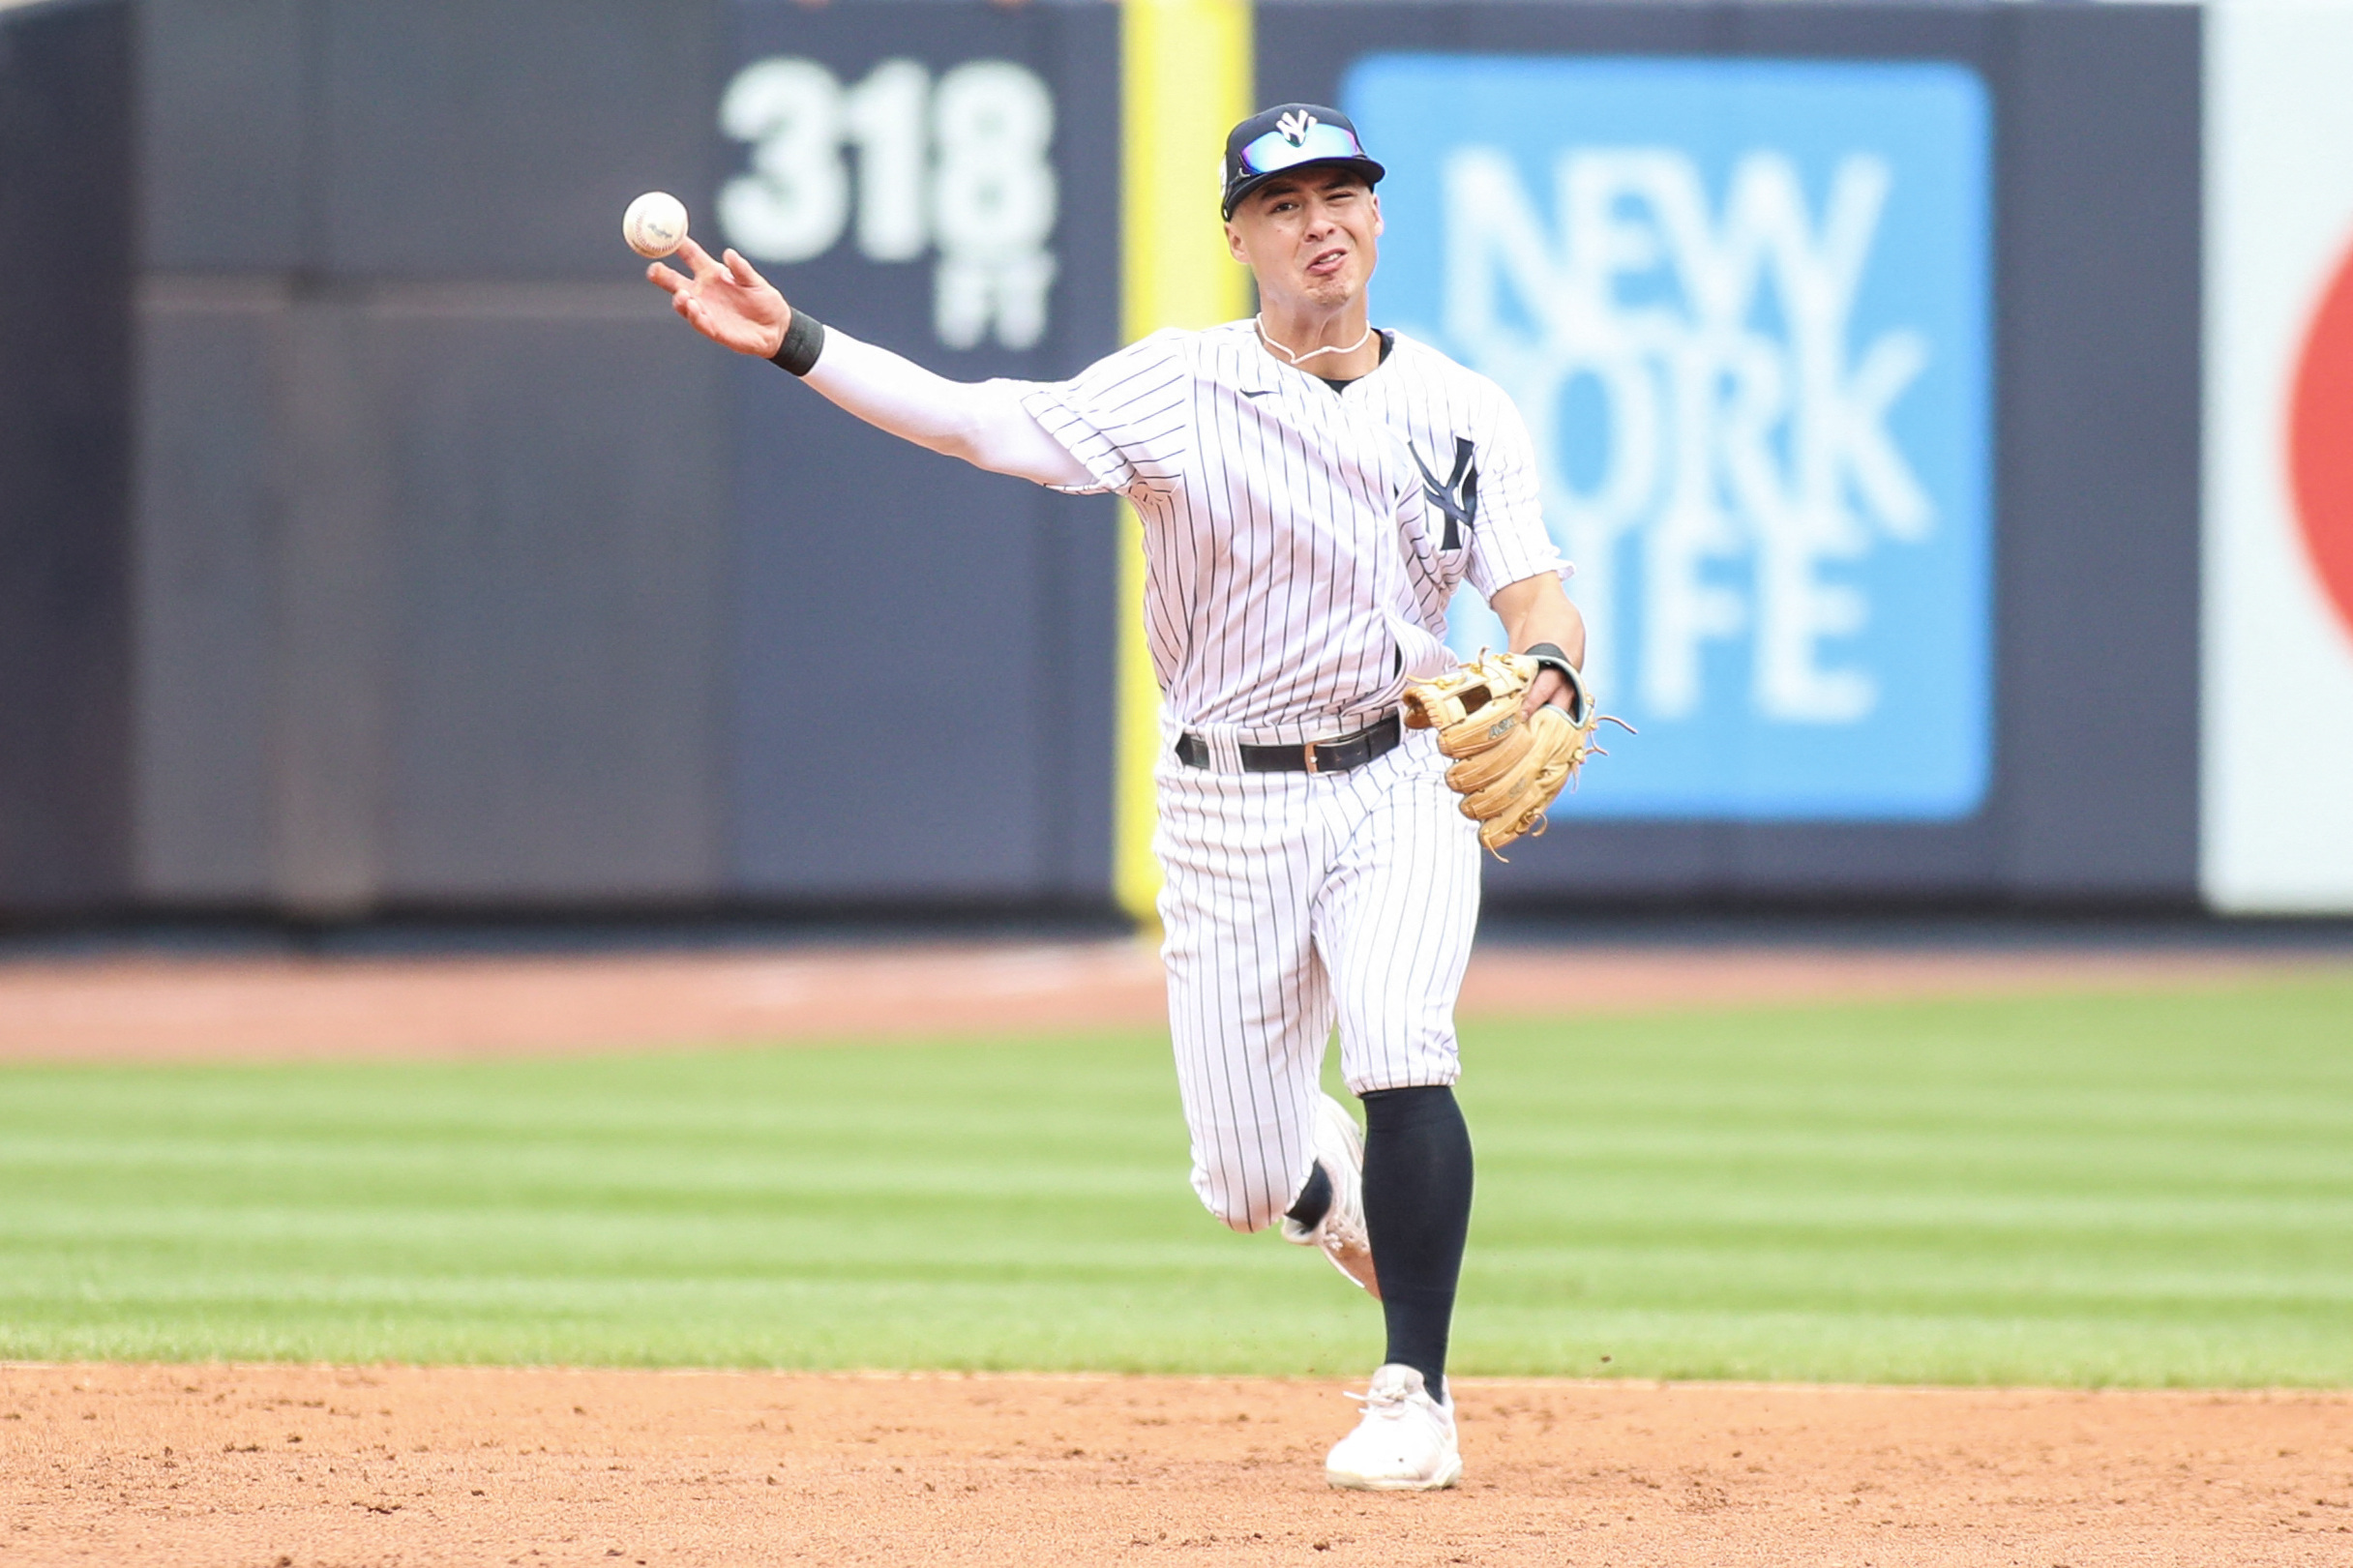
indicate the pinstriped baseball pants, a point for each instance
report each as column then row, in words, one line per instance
column 1292, row 900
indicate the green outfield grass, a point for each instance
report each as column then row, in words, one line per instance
column 2148, row 1190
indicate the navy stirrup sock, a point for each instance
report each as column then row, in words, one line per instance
column 1418, row 1209
column 1314, row 1201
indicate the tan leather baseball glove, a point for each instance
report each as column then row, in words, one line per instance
column 1507, row 771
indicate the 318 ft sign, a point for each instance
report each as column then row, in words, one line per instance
column 957, row 166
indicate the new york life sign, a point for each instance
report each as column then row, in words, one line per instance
column 1743, row 306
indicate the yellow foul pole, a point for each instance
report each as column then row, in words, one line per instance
column 1185, row 69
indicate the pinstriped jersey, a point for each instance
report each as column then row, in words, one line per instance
column 1300, row 543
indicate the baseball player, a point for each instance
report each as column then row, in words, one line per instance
column 1312, row 490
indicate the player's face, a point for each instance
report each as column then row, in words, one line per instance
column 1313, row 237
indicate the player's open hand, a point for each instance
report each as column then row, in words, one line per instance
column 725, row 301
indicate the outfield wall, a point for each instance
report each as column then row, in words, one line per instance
column 375, row 540
column 66, row 331
column 2278, row 609
column 468, row 579
column 1919, row 637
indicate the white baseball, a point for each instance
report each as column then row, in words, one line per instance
column 655, row 223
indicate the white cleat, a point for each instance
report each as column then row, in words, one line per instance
column 1405, row 1442
column 1340, row 1150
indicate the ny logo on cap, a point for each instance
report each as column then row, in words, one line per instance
column 1294, row 125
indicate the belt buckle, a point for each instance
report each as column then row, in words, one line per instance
column 1309, row 751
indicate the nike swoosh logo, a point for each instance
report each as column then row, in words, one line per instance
column 1263, row 391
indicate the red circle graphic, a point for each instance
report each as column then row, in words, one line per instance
column 2320, row 440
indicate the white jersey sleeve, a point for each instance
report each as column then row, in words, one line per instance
column 1511, row 542
column 1128, row 417
column 982, row 423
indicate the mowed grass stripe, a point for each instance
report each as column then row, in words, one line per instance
column 2078, row 1190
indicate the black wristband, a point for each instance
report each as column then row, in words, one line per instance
column 804, row 340
column 1551, row 655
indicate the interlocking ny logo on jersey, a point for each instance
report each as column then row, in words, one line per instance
column 1294, row 127
column 1457, row 496
column 1743, row 306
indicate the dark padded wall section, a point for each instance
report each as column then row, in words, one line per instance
column 923, row 699
column 503, row 138
column 435, row 138
column 434, row 501
column 2095, row 389
column 207, row 517
column 226, row 133
column 2100, row 311
column 226, row 219
column 553, row 729
column 66, row 115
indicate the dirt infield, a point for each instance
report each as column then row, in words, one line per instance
column 216, row 1010
column 296, row 1466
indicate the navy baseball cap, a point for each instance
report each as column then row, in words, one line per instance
column 1287, row 136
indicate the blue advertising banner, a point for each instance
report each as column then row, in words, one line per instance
column 1743, row 303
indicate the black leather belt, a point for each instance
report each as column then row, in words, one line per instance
column 1323, row 756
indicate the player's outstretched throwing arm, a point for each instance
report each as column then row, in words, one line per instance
column 983, row 422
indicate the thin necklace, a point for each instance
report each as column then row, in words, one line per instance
column 1300, row 359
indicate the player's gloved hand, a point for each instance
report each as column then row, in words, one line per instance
column 1509, row 768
